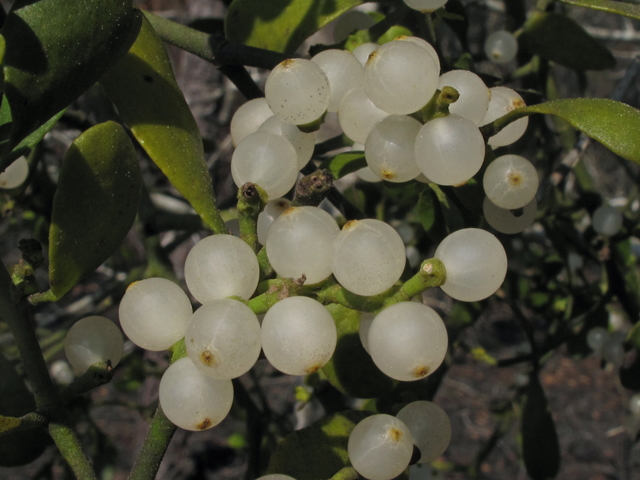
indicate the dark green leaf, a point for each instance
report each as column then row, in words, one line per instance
column 95, row 204
column 427, row 209
column 452, row 216
column 18, row 448
column 558, row 38
column 57, row 49
column 150, row 102
column 28, row 142
column 621, row 8
column 614, row 124
column 351, row 369
column 344, row 163
column 281, row 25
column 540, row 447
column 318, row 451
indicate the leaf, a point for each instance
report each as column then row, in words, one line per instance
column 427, row 209
column 621, row 8
column 351, row 369
column 540, row 447
column 94, row 206
column 281, row 25
column 344, row 163
column 452, row 216
column 560, row 39
column 56, row 50
column 614, row 124
column 28, row 142
column 318, row 451
column 144, row 90
column 18, row 448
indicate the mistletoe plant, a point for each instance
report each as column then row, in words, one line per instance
column 429, row 134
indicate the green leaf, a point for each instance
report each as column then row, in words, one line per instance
column 540, row 447
column 3, row 48
column 28, row 142
column 94, row 206
column 56, row 50
column 144, row 90
column 281, row 25
column 393, row 33
column 427, row 209
column 614, row 124
column 452, row 216
column 18, row 448
column 351, row 369
column 318, row 451
column 558, row 38
column 344, row 163
column 621, row 8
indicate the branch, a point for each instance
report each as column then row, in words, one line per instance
column 155, row 445
column 213, row 48
column 251, row 201
column 228, row 57
column 431, row 274
column 69, row 445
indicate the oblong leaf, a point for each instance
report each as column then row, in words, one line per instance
column 95, row 204
column 280, row 25
column 540, row 446
column 621, row 8
column 55, row 51
column 22, row 447
column 318, row 451
column 351, row 369
column 614, row 124
column 558, row 38
column 144, row 90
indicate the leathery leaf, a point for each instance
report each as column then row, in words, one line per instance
column 94, row 206
column 143, row 88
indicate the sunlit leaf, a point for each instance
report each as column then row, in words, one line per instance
column 144, row 90
column 281, row 25
column 56, row 50
column 94, row 205
column 614, row 124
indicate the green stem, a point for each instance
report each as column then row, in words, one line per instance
column 431, row 274
column 97, row 375
column 438, row 106
column 493, row 128
column 278, row 290
column 159, row 435
column 155, row 445
column 228, row 57
column 69, row 445
column 266, row 270
column 212, row 48
column 251, row 201
column 21, row 325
